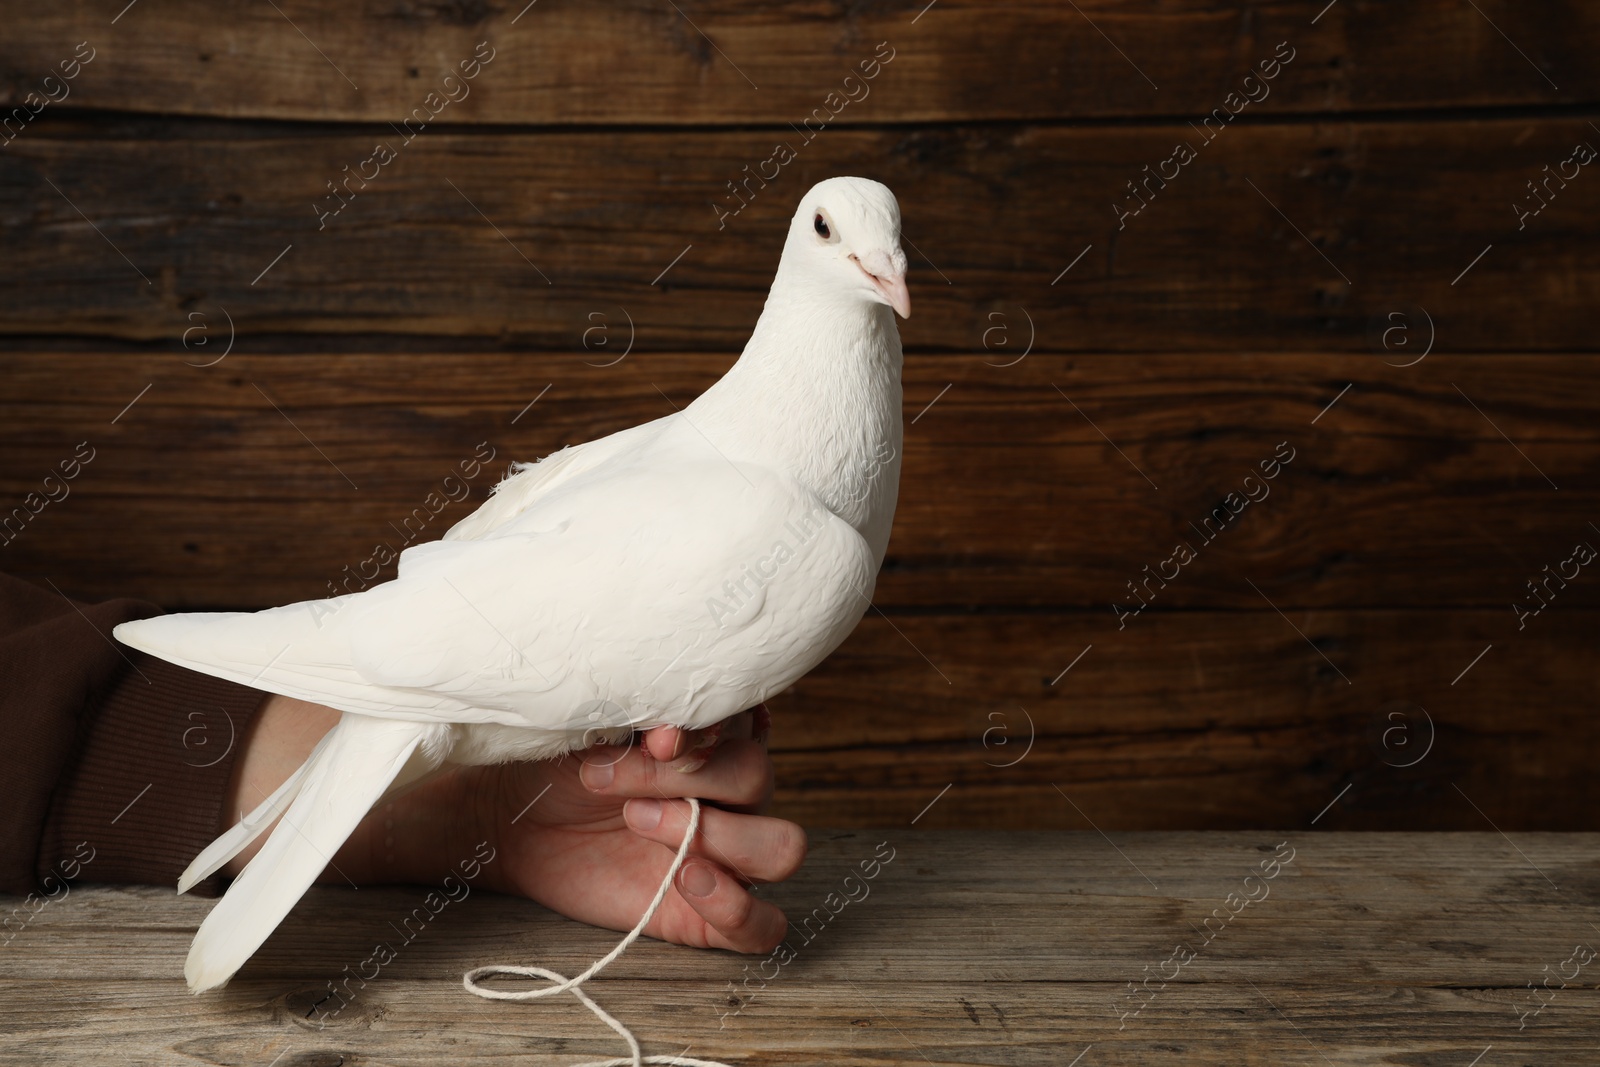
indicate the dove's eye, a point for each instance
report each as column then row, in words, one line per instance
column 820, row 224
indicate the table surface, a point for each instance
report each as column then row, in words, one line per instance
column 1456, row 950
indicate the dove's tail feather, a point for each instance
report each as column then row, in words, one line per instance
column 355, row 765
column 247, row 829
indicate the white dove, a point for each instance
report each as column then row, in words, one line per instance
column 675, row 573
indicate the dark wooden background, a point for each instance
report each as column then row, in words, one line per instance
column 1311, row 667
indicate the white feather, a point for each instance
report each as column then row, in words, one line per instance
column 347, row 775
column 247, row 829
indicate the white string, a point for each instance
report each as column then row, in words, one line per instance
column 470, row 980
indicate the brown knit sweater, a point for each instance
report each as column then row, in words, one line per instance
column 108, row 753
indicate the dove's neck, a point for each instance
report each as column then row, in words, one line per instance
column 816, row 394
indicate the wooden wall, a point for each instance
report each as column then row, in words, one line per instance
column 1340, row 274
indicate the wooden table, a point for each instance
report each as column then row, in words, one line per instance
column 964, row 948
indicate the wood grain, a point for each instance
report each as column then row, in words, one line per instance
column 1010, row 495
column 1276, row 237
column 633, row 63
column 1014, row 949
column 1373, row 720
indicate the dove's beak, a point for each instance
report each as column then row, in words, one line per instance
column 889, row 279
column 894, row 290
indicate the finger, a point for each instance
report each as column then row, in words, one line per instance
column 738, row 773
column 734, row 918
column 755, row 848
column 668, row 743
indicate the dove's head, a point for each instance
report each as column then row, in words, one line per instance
column 845, row 241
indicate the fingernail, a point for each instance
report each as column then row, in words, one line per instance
column 643, row 813
column 596, row 776
column 761, row 725
column 697, row 880
column 689, row 766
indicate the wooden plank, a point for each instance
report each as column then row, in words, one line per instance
column 1249, row 247
column 567, row 63
column 968, row 948
column 1010, row 496
column 1193, row 718
column 851, row 1023
column 1197, row 720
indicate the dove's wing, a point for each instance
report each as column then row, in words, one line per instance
column 681, row 599
column 521, row 490
column 304, row 646
column 675, row 587
column 297, row 650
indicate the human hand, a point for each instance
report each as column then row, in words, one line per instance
column 597, row 842
column 590, row 848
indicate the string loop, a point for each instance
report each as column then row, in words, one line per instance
column 560, row 984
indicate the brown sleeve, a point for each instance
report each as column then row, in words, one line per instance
column 107, row 752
